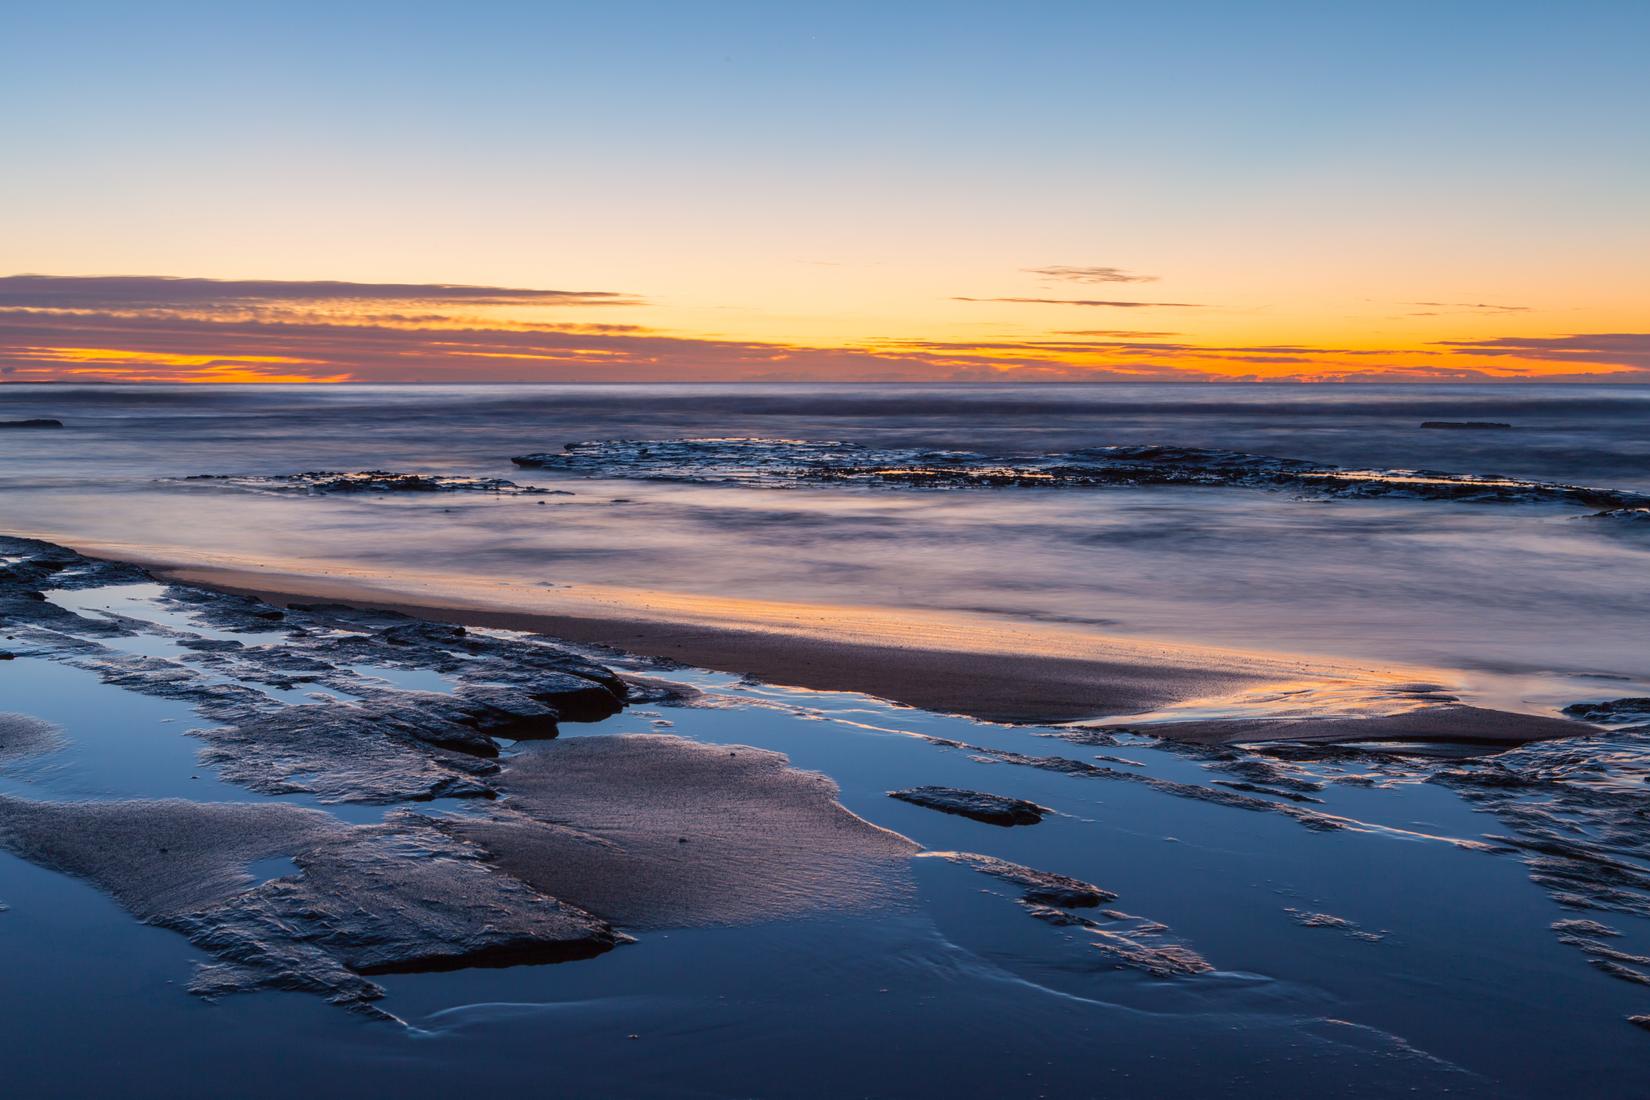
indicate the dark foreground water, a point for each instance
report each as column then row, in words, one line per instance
column 1396, row 937
column 1392, row 953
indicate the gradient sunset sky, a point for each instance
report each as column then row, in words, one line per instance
column 893, row 191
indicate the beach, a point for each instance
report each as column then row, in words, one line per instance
column 620, row 741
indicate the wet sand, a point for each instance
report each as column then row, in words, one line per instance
column 946, row 664
column 955, row 664
column 1446, row 723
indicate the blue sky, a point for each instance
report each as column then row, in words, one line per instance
column 1280, row 162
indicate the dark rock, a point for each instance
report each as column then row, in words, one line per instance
column 1130, row 941
column 342, row 752
column 1617, row 970
column 372, row 481
column 1614, row 712
column 992, row 809
column 779, row 462
column 36, row 422
column 1466, row 425
column 384, row 745
column 645, row 690
column 1307, row 919
column 1634, row 516
column 651, row 830
column 1041, row 887
column 368, row 899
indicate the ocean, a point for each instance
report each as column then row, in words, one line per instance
column 1359, row 921
column 1509, row 590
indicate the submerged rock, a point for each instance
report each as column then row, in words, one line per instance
column 1130, row 941
column 1614, row 712
column 993, row 809
column 368, row 899
column 373, row 481
column 651, row 831
column 363, row 741
column 1125, row 939
column 786, row 462
column 1634, row 517
column 1308, row 919
column 1041, row 887
column 343, row 752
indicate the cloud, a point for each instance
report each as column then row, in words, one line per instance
column 1089, row 274
column 1116, row 333
column 105, row 292
column 1085, row 302
column 1443, row 309
column 1608, row 349
column 189, row 330
column 45, row 345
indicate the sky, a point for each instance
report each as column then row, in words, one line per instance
column 493, row 191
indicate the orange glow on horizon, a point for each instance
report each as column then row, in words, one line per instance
column 274, row 331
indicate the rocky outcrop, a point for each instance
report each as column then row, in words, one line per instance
column 993, row 809
column 1040, row 887
column 368, row 899
column 563, row 841
column 1613, row 712
column 322, row 482
column 785, row 462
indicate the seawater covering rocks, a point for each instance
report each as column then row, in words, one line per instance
column 1631, row 711
column 560, row 846
column 782, row 463
column 374, row 899
column 416, row 788
column 1124, row 939
column 1041, row 887
column 325, row 482
column 1575, row 810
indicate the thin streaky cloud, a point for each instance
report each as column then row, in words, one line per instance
column 284, row 331
column 1626, row 349
column 1115, row 333
column 169, row 292
column 1098, row 302
column 1464, row 307
column 1072, row 274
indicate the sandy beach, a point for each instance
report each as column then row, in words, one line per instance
column 951, row 663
